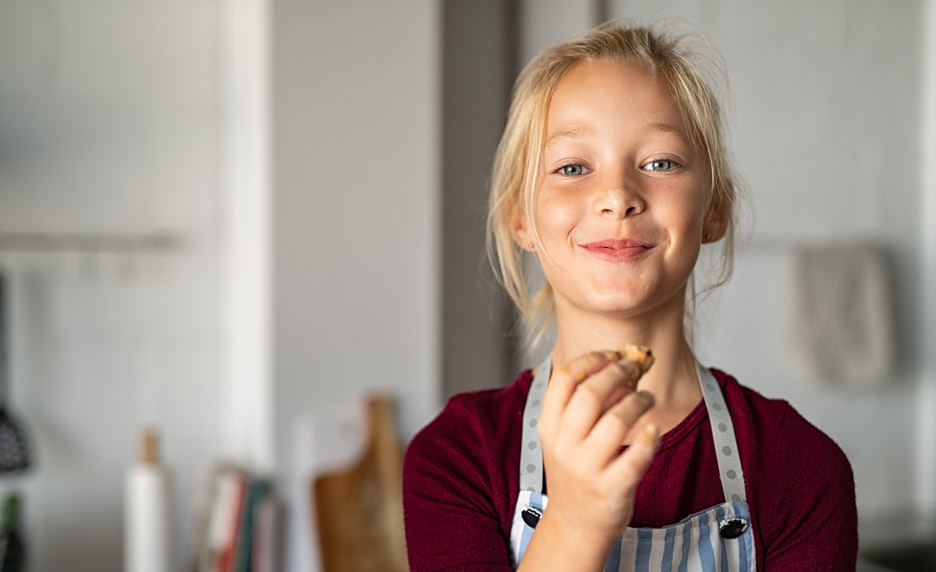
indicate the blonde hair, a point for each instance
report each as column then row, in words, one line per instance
column 516, row 164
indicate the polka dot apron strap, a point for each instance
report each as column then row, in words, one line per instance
column 726, row 446
column 531, row 457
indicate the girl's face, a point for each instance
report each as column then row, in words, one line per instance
column 622, row 199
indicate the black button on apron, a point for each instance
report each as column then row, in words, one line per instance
column 732, row 528
column 531, row 516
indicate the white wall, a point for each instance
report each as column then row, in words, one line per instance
column 109, row 124
column 926, row 469
column 544, row 22
column 356, row 264
column 157, row 116
column 246, row 236
column 477, row 62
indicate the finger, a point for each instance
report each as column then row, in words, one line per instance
column 598, row 394
column 606, row 437
column 630, row 467
column 566, row 378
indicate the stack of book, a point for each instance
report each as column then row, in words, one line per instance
column 235, row 525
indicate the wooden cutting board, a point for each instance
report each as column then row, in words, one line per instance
column 359, row 511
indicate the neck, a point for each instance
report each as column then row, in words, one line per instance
column 672, row 380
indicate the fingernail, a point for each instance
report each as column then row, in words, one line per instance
column 630, row 368
column 646, row 398
column 649, row 433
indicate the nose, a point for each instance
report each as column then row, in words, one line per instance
column 618, row 197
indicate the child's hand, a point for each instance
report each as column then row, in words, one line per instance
column 590, row 407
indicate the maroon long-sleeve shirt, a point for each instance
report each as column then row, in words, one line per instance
column 461, row 480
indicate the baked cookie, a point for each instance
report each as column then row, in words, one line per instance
column 641, row 355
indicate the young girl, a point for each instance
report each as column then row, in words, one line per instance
column 612, row 173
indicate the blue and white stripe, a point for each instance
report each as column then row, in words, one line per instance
column 692, row 545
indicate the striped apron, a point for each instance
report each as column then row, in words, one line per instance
column 717, row 539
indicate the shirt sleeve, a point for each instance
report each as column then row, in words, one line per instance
column 812, row 522
column 450, row 518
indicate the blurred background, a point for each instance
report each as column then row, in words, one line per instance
column 232, row 219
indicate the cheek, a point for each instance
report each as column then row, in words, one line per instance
column 556, row 216
column 683, row 213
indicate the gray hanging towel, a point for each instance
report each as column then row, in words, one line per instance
column 844, row 323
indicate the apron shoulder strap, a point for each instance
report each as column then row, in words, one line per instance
column 531, row 456
column 726, row 445
column 723, row 435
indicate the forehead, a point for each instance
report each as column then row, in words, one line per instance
column 602, row 94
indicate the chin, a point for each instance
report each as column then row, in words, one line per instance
column 628, row 304
column 618, row 305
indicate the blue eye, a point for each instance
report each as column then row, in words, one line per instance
column 659, row 165
column 572, row 170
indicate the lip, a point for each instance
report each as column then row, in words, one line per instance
column 617, row 249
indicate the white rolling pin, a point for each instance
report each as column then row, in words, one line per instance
column 147, row 543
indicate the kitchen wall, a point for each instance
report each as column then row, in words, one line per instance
column 290, row 152
column 926, row 448
column 479, row 63
column 109, row 124
column 356, row 228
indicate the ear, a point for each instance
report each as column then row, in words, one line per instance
column 716, row 221
column 520, row 230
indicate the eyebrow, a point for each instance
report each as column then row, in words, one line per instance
column 663, row 127
column 576, row 131
column 573, row 132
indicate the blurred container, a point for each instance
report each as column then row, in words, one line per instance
column 12, row 547
column 147, row 546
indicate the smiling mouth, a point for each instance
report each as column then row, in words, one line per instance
column 616, row 250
